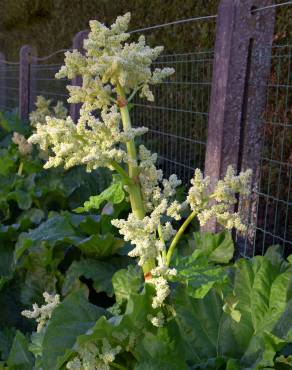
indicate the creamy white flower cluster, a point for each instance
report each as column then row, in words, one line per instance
column 43, row 314
column 94, row 357
column 158, row 200
column 110, row 61
column 108, row 64
column 159, row 278
column 157, row 320
column 143, row 233
column 24, row 147
column 44, row 109
column 217, row 204
column 91, row 142
column 155, row 189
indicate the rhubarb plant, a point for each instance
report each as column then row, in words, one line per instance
column 148, row 327
column 113, row 71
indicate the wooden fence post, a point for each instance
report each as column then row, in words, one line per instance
column 27, row 52
column 2, row 82
column 237, row 105
column 77, row 81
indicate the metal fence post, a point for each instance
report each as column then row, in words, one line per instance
column 27, row 52
column 77, row 81
column 2, row 82
column 234, row 126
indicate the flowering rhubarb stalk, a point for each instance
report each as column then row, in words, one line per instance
column 113, row 71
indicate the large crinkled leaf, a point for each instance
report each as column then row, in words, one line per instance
column 8, row 233
column 37, row 279
column 57, row 228
column 118, row 329
column 20, row 358
column 22, row 198
column 198, row 271
column 200, row 280
column 198, row 321
column 262, row 289
column 29, row 218
column 73, row 317
column 134, row 319
column 6, row 162
column 99, row 272
column 126, row 282
column 157, row 352
column 100, row 246
column 7, row 335
column 114, row 193
column 262, row 293
column 10, row 122
column 283, row 363
column 10, row 306
column 6, row 260
column 198, row 275
column 218, row 248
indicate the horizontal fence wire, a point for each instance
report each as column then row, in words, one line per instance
column 273, row 197
column 177, row 120
column 9, row 86
column 43, row 83
column 178, row 117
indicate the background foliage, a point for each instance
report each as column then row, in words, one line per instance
column 50, row 25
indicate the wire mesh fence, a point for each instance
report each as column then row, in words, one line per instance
column 273, row 222
column 9, row 86
column 44, row 83
column 177, row 120
column 177, row 123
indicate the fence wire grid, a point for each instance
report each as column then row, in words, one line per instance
column 44, row 83
column 9, row 86
column 177, row 122
column 273, row 224
column 178, row 118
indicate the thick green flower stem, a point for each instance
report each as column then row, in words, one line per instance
column 118, row 366
column 134, row 188
column 20, row 168
column 178, row 235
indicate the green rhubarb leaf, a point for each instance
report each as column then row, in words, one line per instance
column 57, row 228
column 283, row 363
column 114, row 194
column 7, row 335
column 22, row 198
column 198, row 322
column 6, row 162
column 156, row 353
column 73, row 317
column 218, row 248
column 20, row 358
column 100, row 246
column 126, row 282
column 98, row 271
column 198, row 275
column 257, row 322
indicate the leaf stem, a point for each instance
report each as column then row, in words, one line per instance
column 130, row 98
column 20, row 168
column 119, row 169
column 178, row 235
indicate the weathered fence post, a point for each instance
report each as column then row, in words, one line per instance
column 236, row 106
column 2, row 82
column 27, row 52
column 77, row 81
